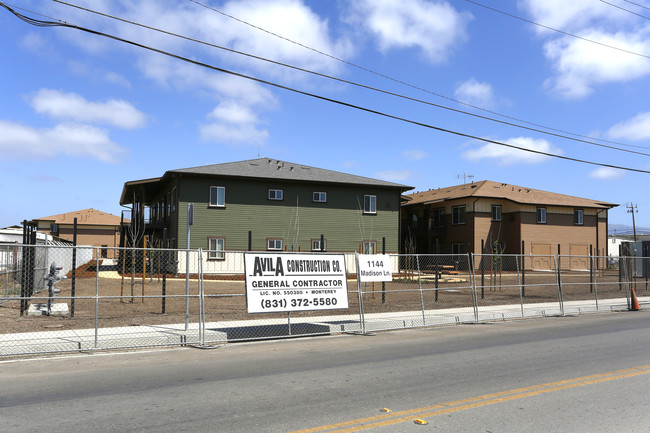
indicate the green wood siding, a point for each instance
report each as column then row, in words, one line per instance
column 296, row 219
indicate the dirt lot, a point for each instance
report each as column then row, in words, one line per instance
column 225, row 299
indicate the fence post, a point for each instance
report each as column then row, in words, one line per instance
column 470, row 260
column 482, row 269
column 74, row 267
column 417, row 260
column 559, row 282
column 96, row 296
column 362, row 319
column 523, row 271
column 591, row 268
column 383, row 283
column 165, row 259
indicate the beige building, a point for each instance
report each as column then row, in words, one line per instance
column 94, row 227
column 497, row 218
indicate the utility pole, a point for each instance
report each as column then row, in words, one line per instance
column 631, row 208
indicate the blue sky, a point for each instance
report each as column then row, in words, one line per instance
column 81, row 114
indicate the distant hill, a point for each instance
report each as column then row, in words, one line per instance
column 624, row 230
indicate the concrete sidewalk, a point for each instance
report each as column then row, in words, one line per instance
column 223, row 332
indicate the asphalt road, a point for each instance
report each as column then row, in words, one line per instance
column 588, row 373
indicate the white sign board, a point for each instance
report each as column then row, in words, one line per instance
column 295, row 282
column 374, row 267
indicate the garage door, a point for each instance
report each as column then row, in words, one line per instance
column 579, row 256
column 541, row 257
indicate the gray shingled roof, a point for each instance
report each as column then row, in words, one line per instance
column 267, row 168
column 517, row 194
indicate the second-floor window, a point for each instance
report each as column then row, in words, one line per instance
column 541, row 215
column 275, row 194
column 320, row 197
column 274, row 244
column 316, row 245
column 496, row 212
column 218, row 196
column 578, row 217
column 370, row 204
column 458, row 214
column 439, row 217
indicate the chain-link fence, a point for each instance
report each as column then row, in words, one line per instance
column 60, row 298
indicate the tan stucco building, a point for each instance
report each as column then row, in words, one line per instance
column 96, row 228
column 497, row 218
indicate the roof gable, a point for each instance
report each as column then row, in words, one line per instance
column 496, row 190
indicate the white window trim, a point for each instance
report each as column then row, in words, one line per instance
column 365, row 247
column 321, row 194
column 274, row 248
column 275, row 195
column 369, row 210
column 315, row 245
column 216, row 253
column 224, row 196
column 540, row 219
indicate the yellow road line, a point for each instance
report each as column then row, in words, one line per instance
column 474, row 402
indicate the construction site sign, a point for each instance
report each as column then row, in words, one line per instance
column 284, row 282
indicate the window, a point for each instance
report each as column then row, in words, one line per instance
column 218, row 196
column 369, row 204
column 439, row 217
column 216, row 248
column 174, row 199
column 578, row 217
column 541, row 215
column 458, row 249
column 316, row 245
column 274, row 244
column 458, row 214
column 369, row 247
column 320, row 197
column 496, row 212
column 414, row 221
column 104, row 251
column 275, row 194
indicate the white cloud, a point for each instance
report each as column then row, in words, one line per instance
column 70, row 106
column 634, row 129
column 605, row 173
column 414, row 155
column 23, row 142
column 475, row 93
column 394, row 175
column 233, row 123
column 580, row 65
column 507, row 155
column 433, row 27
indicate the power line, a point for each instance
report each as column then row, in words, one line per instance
column 352, row 82
column 637, row 4
column 623, row 9
column 405, row 83
column 559, row 31
column 316, row 96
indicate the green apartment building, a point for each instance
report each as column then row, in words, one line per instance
column 266, row 205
